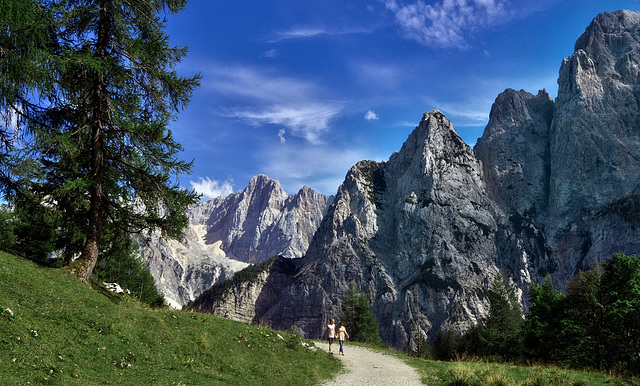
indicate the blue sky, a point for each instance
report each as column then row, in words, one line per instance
column 302, row 90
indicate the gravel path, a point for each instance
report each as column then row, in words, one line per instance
column 366, row 367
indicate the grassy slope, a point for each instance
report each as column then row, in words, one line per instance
column 64, row 332
column 438, row 373
column 481, row 374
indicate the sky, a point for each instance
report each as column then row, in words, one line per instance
column 302, row 90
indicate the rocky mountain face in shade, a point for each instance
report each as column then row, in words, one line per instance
column 227, row 233
column 548, row 189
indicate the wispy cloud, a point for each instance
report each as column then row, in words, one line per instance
column 272, row 53
column 309, row 121
column 265, row 98
column 210, row 189
column 371, row 116
column 471, row 112
column 377, row 74
column 281, row 134
column 447, row 23
column 312, row 32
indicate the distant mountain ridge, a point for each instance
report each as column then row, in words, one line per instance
column 425, row 233
column 227, row 233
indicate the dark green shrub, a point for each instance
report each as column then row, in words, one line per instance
column 358, row 318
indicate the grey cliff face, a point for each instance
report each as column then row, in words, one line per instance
column 425, row 233
column 515, row 155
column 227, row 233
column 596, row 128
column 262, row 221
column 595, row 141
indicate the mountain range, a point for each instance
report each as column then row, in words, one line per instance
column 549, row 189
column 228, row 233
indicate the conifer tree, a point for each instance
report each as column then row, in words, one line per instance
column 543, row 327
column 501, row 334
column 358, row 318
column 97, row 125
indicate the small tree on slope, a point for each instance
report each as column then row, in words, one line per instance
column 358, row 318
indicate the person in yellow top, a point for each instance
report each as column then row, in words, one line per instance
column 342, row 332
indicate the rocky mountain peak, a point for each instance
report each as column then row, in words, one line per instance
column 514, row 150
column 436, row 132
column 264, row 184
column 609, row 31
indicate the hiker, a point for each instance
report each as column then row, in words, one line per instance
column 342, row 332
column 331, row 334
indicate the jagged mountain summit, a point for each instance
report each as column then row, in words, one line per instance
column 546, row 190
column 228, row 233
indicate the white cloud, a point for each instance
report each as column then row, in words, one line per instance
column 260, row 86
column 281, row 134
column 370, row 115
column 471, row 112
column 309, row 121
column 211, row 188
column 447, row 23
column 376, row 74
column 305, row 32
column 270, row 99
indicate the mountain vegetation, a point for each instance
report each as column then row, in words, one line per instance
column 50, row 333
column 594, row 325
column 87, row 93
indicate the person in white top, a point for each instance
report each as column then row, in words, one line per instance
column 331, row 334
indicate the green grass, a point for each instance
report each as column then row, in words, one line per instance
column 440, row 373
column 66, row 333
column 480, row 374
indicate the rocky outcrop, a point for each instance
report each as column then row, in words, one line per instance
column 248, row 293
column 515, row 155
column 262, row 221
column 227, row 233
column 546, row 191
column 182, row 269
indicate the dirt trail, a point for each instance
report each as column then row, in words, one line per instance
column 366, row 367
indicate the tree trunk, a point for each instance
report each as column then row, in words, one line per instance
column 85, row 264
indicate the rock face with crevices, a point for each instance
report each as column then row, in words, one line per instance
column 595, row 143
